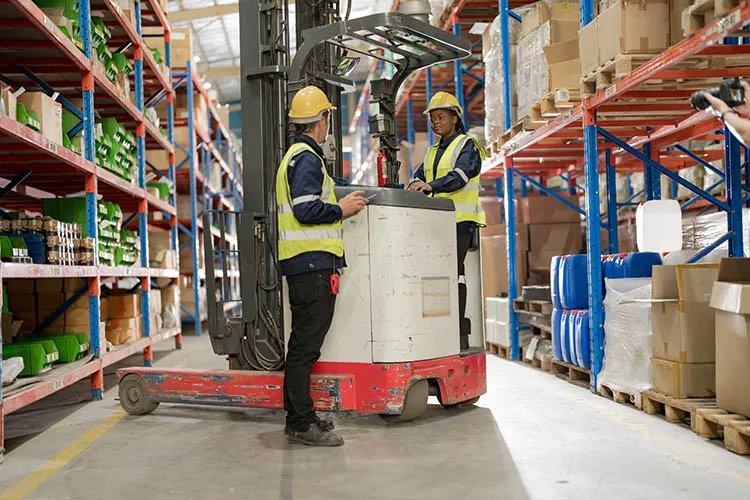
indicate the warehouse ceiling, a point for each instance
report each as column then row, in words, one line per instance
column 216, row 37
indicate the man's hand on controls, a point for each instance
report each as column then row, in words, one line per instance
column 352, row 204
column 420, row 186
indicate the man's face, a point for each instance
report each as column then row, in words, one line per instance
column 443, row 121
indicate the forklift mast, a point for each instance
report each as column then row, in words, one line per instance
column 326, row 46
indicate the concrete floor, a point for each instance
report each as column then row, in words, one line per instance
column 531, row 437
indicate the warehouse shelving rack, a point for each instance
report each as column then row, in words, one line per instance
column 634, row 124
column 33, row 166
column 203, row 153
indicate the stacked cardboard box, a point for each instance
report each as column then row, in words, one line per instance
column 628, row 27
column 187, row 296
column 34, row 301
column 553, row 229
column 497, row 313
column 546, row 56
column 730, row 299
column 495, row 259
column 494, row 101
column 684, row 356
column 124, row 318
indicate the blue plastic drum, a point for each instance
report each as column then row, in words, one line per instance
column 557, row 333
column 583, row 339
column 573, row 282
column 554, row 272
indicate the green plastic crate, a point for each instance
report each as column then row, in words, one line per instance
column 100, row 34
column 120, row 60
column 157, row 56
column 6, row 249
column 163, row 187
column 27, row 117
column 70, row 346
column 37, row 356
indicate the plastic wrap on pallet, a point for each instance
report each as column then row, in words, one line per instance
column 700, row 231
column 627, row 337
column 532, row 81
column 494, row 104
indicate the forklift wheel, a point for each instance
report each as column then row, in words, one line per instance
column 415, row 403
column 468, row 402
column 134, row 395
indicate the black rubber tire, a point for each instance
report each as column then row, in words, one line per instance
column 415, row 403
column 468, row 402
column 134, row 397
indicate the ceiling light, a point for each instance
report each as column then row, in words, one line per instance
column 196, row 59
column 207, row 85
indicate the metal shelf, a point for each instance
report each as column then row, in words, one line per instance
column 53, row 63
column 625, row 127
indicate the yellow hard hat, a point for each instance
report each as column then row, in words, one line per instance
column 309, row 104
column 444, row 100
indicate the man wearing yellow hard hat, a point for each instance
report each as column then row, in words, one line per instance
column 451, row 170
column 311, row 252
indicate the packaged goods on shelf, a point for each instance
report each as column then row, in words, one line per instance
column 181, row 44
column 186, row 254
column 546, row 210
column 544, row 62
column 494, row 104
column 7, row 101
column 170, row 303
column 700, row 231
column 64, row 15
column 49, row 241
column 48, row 112
column 729, row 300
column 627, row 332
column 536, row 14
column 495, row 260
column 633, row 27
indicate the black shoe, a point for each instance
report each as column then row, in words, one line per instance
column 323, row 424
column 314, row 436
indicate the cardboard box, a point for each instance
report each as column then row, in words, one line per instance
column 43, row 314
column 21, row 302
column 170, row 296
column 493, row 209
column 48, row 111
column 522, row 234
column 50, row 300
column 124, row 306
column 76, row 317
column 71, row 285
column 19, row 286
column 545, row 210
column 683, row 380
column 633, row 27
column 180, row 44
column 538, row 277
column 7, row 102
column 565, row 238
column 7, row 328
column 588, row 47
column 495, row 266
column 564, row 64
column 541, row 12
column 681, row 320
column 52, row 284
column 120, row 331
column 540, row 261
column 675, row 19
column 731, row 300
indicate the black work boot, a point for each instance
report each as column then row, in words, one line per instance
column 324, row 424
column 314, row 436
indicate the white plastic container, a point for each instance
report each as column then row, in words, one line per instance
column 658, row 225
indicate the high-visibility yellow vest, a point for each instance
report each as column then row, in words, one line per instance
column 296, row 238
column 466, row 199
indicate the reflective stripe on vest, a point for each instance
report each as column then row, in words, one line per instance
column 466, row 199
column 296, row 238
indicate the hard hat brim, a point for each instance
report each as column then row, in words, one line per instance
column 436, row 107
column 310, row 119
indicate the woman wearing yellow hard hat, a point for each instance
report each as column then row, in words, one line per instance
column 451, row 170
column 311, row 252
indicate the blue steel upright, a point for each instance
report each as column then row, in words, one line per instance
column 505, row 46
column 510, row 242
column 611, row 177
column 733, row 160
column 593, row 244
column 89, row 152
column 459, row 76
column 193, row 197
column 141, row 162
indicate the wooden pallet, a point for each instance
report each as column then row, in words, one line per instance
column 715, row 423
column 533, row 306
column 674, row 410
column 620, row 396
column 542, row 332
column 702, row 12
column 498, row 349
column 524, row 125
column 573, row 374
column 554, row 104
column 615, row 68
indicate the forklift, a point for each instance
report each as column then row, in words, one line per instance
column 394, row 339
